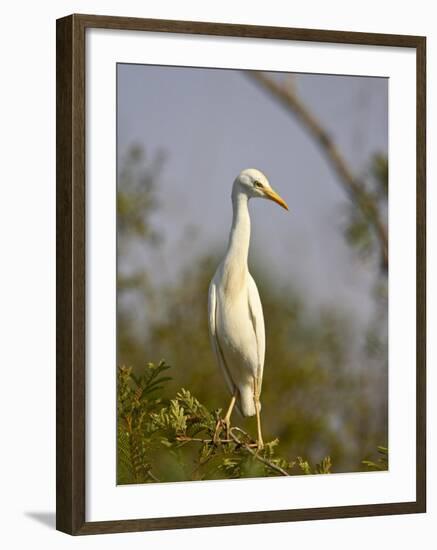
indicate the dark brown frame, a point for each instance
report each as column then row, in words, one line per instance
column 70, row 275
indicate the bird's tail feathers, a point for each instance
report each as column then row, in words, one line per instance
column 245, row 402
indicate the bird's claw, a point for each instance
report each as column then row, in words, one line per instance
column 222, row 423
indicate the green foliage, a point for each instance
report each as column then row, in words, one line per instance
column 171, row 440
column 323, row 468
column 381, row 464
column 359, row 231
column 135, row 402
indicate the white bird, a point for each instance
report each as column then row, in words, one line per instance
column 236, row 321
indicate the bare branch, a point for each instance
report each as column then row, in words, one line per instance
column 287, row 95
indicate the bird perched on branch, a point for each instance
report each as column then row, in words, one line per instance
column 236, row 321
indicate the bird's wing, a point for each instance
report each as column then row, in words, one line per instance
column 215, row 342
column 257, row 318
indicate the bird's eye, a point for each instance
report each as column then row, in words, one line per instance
column 258, row 184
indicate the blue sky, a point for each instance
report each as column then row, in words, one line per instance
column 211, row 124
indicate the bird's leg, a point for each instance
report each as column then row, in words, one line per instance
column 258, row 414
column 227, row 418
column 226, row 421
column 218, row 429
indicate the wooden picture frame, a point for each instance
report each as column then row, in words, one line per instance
column 71, row 283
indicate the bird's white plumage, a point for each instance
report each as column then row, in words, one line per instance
column 238, row 339
column 257, row 317
column 236, row 320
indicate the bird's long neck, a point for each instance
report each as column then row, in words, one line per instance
column 235, row 262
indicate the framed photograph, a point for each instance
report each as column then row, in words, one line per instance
column 221, row 359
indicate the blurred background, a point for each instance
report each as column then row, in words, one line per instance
column 183, row 136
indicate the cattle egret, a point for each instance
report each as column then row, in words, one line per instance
column 236, row 321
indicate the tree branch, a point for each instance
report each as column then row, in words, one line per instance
column 247, row 446
column 289, row 98
column 265, row 461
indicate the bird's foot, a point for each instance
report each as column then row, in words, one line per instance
column 222, row 423
column 227, row 426
column 260, row 444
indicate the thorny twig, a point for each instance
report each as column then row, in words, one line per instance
column 234, row 439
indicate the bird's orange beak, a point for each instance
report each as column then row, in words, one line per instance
column 273, row 196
